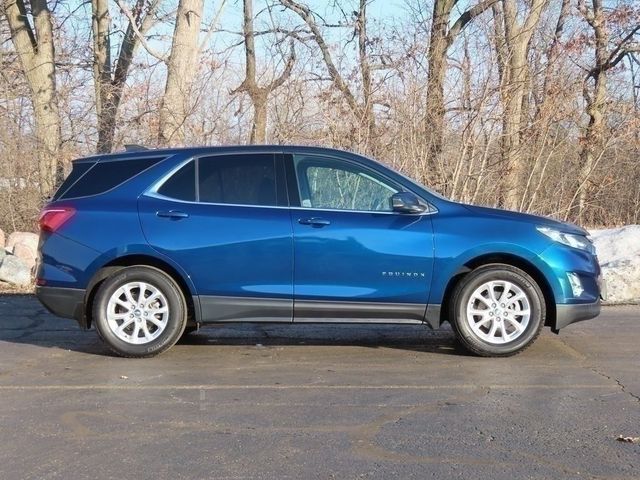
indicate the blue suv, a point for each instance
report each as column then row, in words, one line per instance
column 148, row 245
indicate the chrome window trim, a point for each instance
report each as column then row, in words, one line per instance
column 369, row 212
column 189, row 202
column 152, row 192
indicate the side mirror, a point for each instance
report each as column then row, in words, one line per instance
column 406, row 202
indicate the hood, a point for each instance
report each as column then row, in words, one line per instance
column 528, row 218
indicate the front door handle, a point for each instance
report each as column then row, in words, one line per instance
column 314, row 222
column 173, row 214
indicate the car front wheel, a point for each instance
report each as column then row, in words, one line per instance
column 139, row 312
column 497, row 310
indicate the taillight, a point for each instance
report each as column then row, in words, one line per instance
column 51, row 219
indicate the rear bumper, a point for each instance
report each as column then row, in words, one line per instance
column 63, row 302
column 571, row 313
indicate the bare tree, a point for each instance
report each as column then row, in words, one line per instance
column 181, row 68
column 361, row 109
column 553, row 50
column 259, row 95
column 595, row 91
column 35, row 48
column 513, row 37
column 441, row 38
column 109, row 82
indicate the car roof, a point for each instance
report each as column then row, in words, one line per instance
column 167, row 152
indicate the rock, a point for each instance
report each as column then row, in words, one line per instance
column 2, row 239
column 27, row 238
column 14, row 270
column 25, row 253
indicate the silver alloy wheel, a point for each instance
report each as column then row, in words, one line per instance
column 498, row 312
column 137, row 313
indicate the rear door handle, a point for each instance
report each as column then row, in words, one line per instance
column 173, row 214
column 314, row 222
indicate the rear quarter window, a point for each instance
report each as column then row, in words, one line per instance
column 77, row 171
column 182, row 184
column 105, row 176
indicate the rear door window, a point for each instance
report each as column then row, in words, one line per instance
column 247, row 179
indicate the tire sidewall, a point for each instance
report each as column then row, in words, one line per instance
column 175, row 300
column 498, row 273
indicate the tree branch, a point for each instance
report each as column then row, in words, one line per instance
column 305, row 14
column 212, row 26
column 467, row 17
column 140, row 35
column 130, row 40
column 286, row 73
column 622, row 46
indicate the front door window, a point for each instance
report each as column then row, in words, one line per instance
column 331, row 184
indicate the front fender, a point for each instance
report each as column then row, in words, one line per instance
column 447, row 267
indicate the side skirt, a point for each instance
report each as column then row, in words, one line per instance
column 250, row 309
column 315, row 311
column 245, row 309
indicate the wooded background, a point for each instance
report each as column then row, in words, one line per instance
column 530, row 105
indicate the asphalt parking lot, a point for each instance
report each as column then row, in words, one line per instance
column 279, row 402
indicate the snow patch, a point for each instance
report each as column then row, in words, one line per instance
column 618, row 251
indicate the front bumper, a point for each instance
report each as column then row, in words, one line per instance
column 571, row 313
column 64, row 302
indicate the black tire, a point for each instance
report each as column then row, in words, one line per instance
column 176, row 314
column 461, row 297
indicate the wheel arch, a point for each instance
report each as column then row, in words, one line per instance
column 508, row 259
column 117, row 264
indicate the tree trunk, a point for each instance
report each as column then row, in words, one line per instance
column 595, row 101
column 181, row 69
column 259, row 95
column 441, row 38
column 109, row 85
column 36, row 51
column 435, row 109
column 101, row 24
column 368, row 140
column 259, row 128
column 512, row 100
column 513, row 52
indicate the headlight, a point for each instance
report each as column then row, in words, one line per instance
column 576, row 241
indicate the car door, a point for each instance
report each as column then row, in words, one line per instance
column 355, row 258
column 224, row 220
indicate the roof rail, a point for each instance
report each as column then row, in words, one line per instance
column 132, row 147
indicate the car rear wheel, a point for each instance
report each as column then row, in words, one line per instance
column 497, row 310
column 139, row 312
